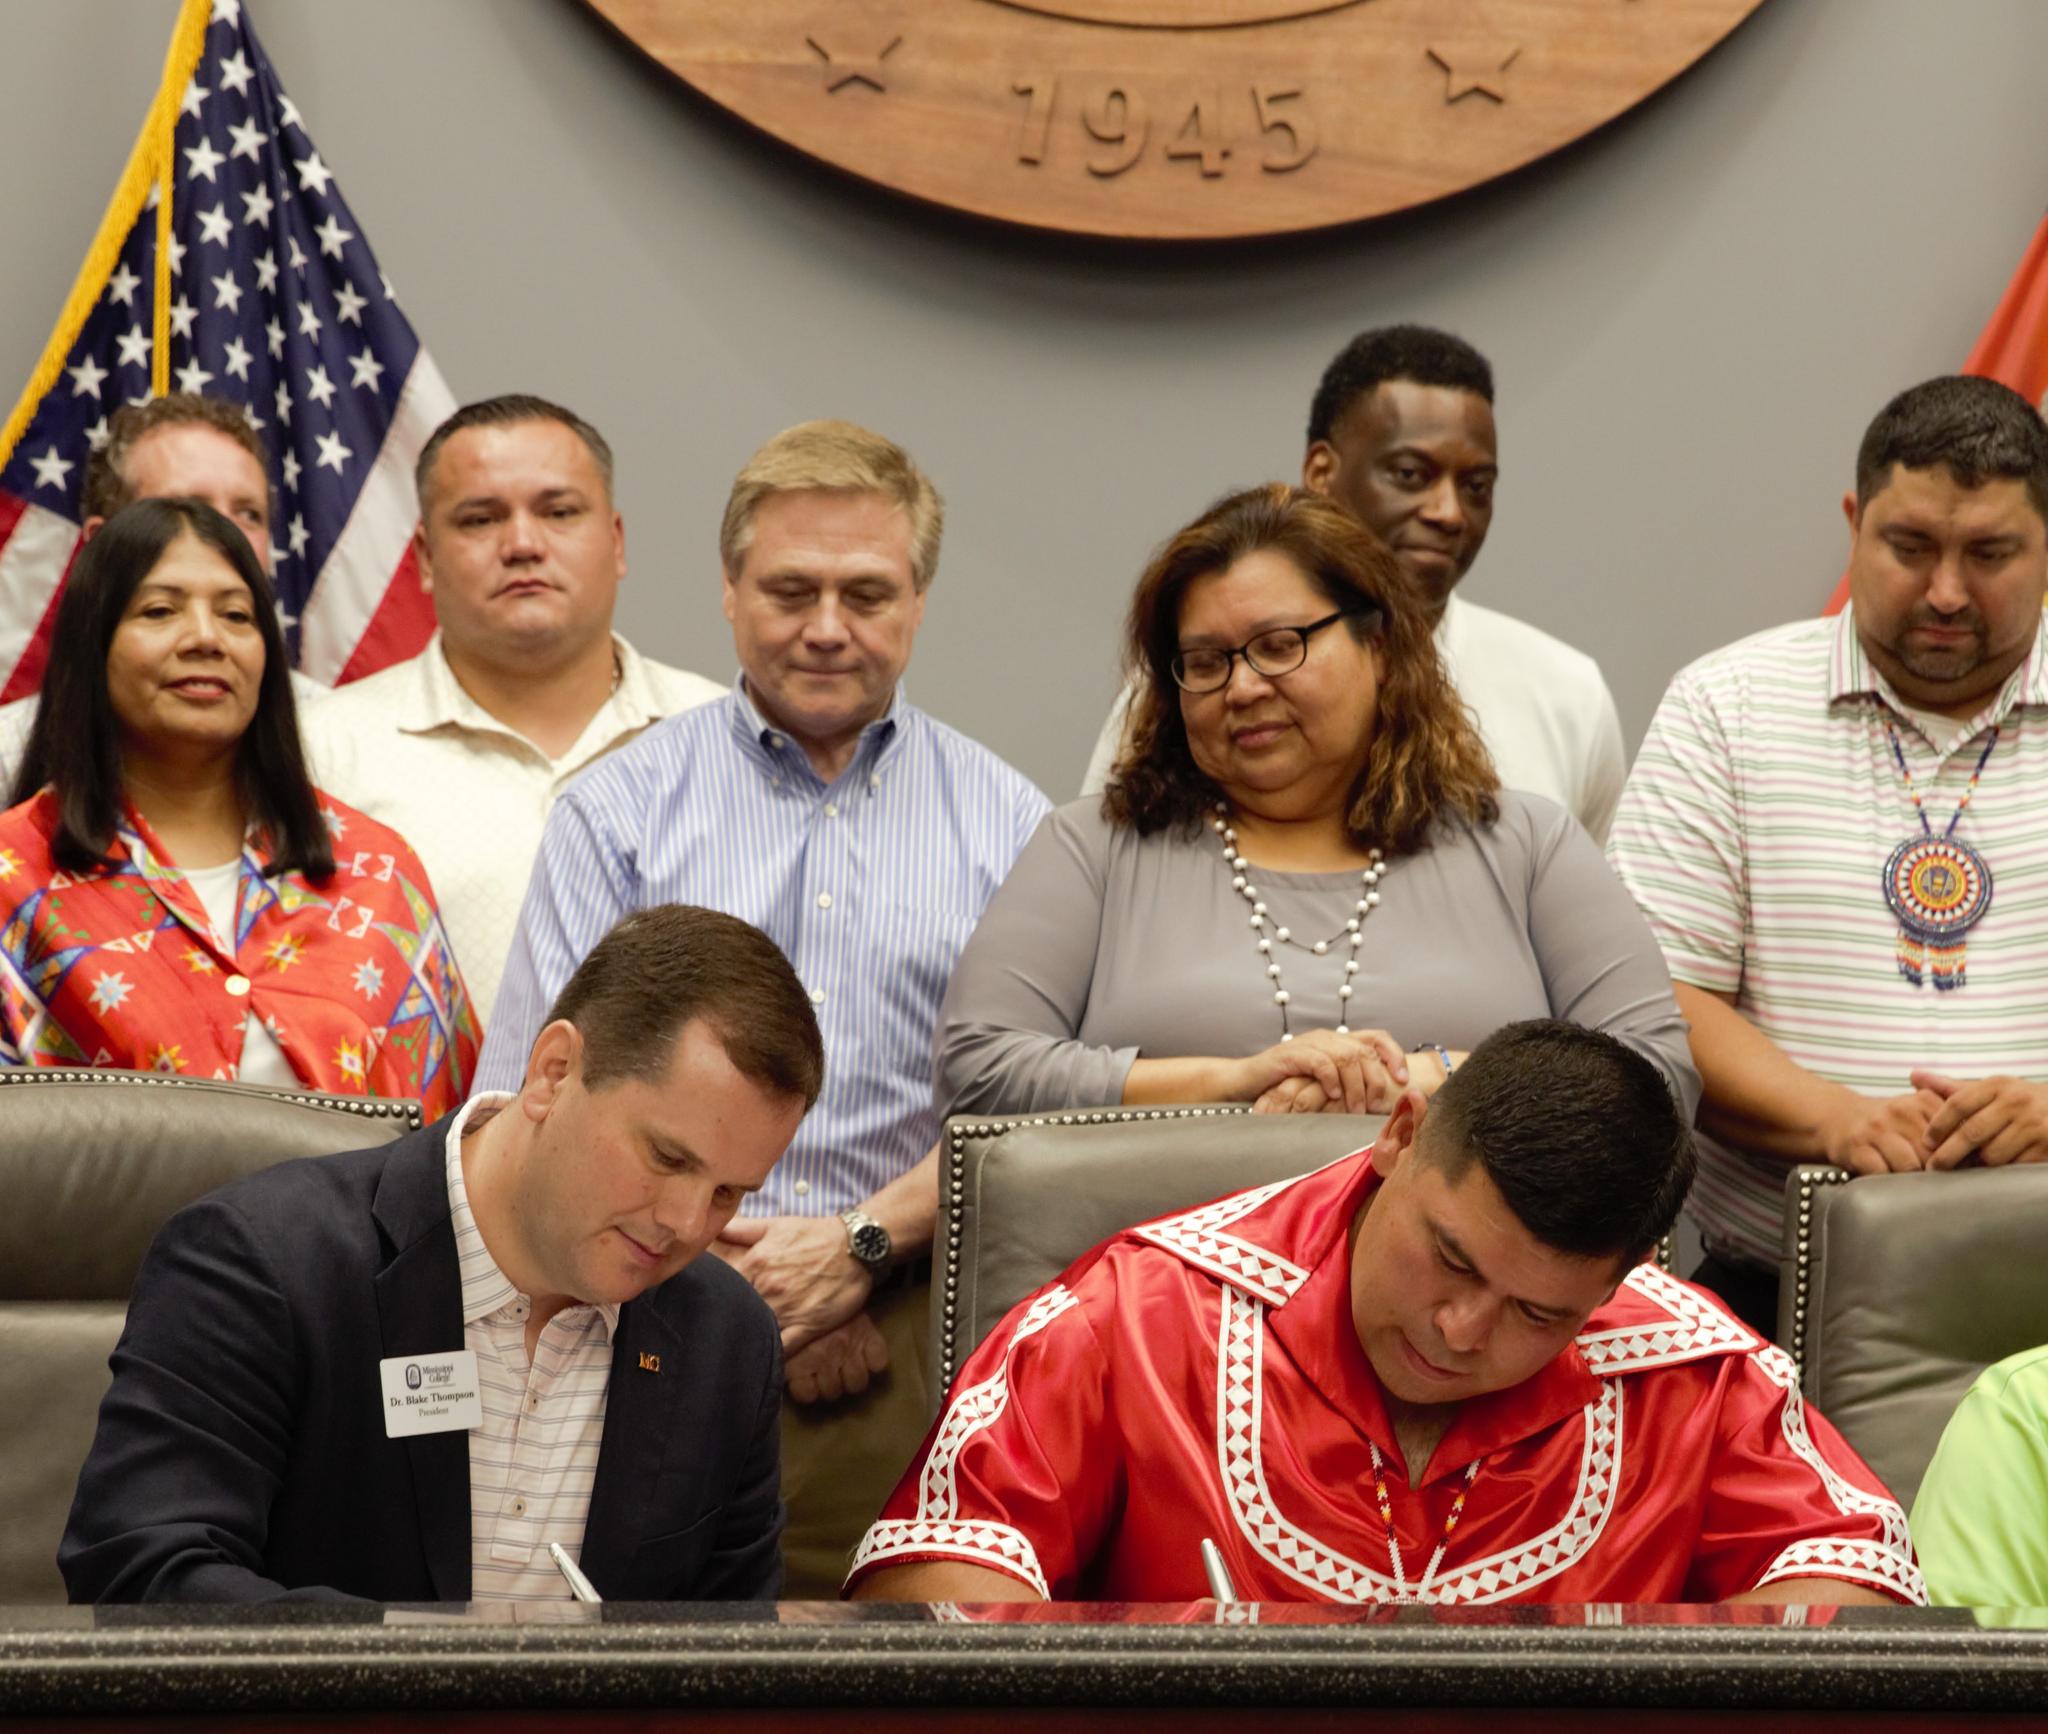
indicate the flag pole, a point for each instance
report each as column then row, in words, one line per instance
column 149, row 165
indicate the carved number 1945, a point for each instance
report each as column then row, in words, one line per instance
column 1118, row 125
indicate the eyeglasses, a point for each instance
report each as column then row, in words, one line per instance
column 1276, row 651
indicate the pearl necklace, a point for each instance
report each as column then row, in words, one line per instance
column 1368, row 901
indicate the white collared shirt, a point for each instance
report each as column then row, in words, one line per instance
column 533, row 1458
column 409, row 746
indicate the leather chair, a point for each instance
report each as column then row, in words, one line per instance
column 91, row 1164
column 1899, row 1290
column 1020, row 1199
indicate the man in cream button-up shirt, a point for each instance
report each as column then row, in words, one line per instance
column 464, row 748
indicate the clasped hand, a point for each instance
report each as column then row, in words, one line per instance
column 1324, row 1072
column 801, row 1267
column 1940, row 1123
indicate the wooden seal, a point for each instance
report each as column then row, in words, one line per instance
column 1177, row 119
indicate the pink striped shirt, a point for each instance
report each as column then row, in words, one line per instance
column 1753, row 832
column 533, row 1460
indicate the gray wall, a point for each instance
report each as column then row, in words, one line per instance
column 1692, row 314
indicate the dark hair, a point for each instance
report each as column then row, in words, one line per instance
column 508, row 410
column 74, row 743
column 1425, row 758
column 105, row 489
column 661, row 967
column 1413, row 352
column 1578, row 1132
column 1976, row 429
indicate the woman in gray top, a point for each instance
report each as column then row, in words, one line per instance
column 1304, row 887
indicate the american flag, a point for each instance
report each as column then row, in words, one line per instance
column 266, row 293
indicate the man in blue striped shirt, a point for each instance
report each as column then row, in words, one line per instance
column 818, row 803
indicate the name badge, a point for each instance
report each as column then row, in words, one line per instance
column 431, row 1394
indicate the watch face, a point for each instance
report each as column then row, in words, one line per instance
column 871, row 1243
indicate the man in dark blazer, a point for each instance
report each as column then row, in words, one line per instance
column 269, row 1434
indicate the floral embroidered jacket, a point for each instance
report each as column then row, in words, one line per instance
column 121, row 967
column 1200, row 1376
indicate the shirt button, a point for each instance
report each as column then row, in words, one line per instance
column 237, row 985
column 824, row 900
column 875, row 782
column 533, row 1402
column 817, row 996
column 803, row 1188
column 518, row 1508
column 831, row 809
column 775, row 740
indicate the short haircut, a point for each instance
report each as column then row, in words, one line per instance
column 1976, row 429
column 1418, row 353
column 105, row 489
column 1425, row 763
column 661, row 967
column 835, row 457
column 510, row 410
column 1578, row 1132
column 74, row 743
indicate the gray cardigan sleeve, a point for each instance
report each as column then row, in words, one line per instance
column 1006, row 1037
column 1600, row 962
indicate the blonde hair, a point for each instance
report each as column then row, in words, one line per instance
column 839, row 457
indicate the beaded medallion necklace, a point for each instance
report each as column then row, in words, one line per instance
column 1938, row 887
column 1386, row 1505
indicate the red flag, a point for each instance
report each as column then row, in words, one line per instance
column 2013, row 348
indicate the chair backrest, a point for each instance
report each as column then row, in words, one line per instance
column 91, row 1165
column 1899, row 1290
column 1020, row 1199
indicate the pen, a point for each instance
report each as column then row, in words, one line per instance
column 579, row 1585
column 1219, row 1578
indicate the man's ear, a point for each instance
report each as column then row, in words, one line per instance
column 1396, row 1142
column 422, row 559
column 1851, row 512
column 1319, row 466
column 556, row 1057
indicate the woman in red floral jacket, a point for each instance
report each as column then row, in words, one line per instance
column 175, row 895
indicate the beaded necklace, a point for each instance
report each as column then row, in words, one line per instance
column 1379, row 1490
column 1937, row 887
column 1368, row 901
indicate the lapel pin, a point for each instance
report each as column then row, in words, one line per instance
column 649, row 1363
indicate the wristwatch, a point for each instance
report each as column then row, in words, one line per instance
column 866, row 1239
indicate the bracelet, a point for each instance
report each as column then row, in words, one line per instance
column 1442, row 1053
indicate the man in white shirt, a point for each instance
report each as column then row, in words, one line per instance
column 1401, row 432
column 464, row 748
column 203, row 447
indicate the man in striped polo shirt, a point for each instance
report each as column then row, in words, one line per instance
column 1839, row 832
column 864, row 837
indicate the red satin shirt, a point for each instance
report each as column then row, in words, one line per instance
column 122, row 967
column 1201, row 1376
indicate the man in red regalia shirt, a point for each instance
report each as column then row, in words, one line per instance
column 1433, row 1371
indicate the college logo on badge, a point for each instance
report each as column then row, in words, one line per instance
column 412, row 1376
column 1176, row 119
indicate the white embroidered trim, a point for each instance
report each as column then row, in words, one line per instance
column 995, row 1545
column 1888, row 1564
column 1239, row 1404
column 1697, row 1328
column 1196, row 1237
column 934, row 1529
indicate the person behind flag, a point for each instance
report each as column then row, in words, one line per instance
column 864, row 837
column 227, row 264
column 201, row 448
column 175, row 895
column 465, row 747
column 532, row 1259
column 1432, row 1371
column 1401, row 434
column 1820, row 817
